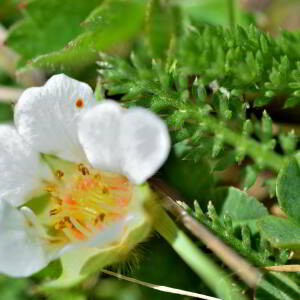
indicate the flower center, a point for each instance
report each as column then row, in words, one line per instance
column 85, row 202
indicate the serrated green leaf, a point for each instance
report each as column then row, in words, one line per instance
column 242, row 208
column 281, row 233
column 288, row 189
column 239, row 205
column 118, row 25
column 48, row 26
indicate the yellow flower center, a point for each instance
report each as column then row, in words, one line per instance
column 85, row 202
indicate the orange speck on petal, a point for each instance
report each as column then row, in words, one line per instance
column 79, row 102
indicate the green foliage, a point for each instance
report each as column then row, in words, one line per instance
column 190, row 178
column 15, row 289
column 103, row 28
column 6, row 112
column 281, row 233
column 210, row 84
column 37, row 33
column 235, row 231
column 246, row 59
column 213, row 12
column 243, row 209
column 288, row 189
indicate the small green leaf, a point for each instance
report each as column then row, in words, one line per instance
column 288, row 189
column 239, row 205
column 226, row 161
column 288, row 142
column 242, row 208
column 291, row 102
column 281, row 233
column 262, row 101
column 48, row 26
column 266, row 127
column 250, row 177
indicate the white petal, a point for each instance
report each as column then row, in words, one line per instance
column 99, row 131
column 145, row 144
column 20, row 167
column 47, row 116
column 21, row 251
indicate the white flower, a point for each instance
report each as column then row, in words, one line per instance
column 90, row 159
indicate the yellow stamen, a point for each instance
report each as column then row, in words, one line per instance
column 86, row 201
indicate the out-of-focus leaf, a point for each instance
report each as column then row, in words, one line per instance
column 159, row 28
column 6, row 112
column 262, row 101
column 48, row 26
column 226, row 161
column 288, row 189
column 213, row 12
column 110, row 24
column 67, row 295
column 281, row 233
column 15, row 289
column 291, row 102
column 192, row 180
column 8, row 9
column 250, row 177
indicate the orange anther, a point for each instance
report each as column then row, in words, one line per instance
column 79, row 102
column 59, row 174
column 68, row 199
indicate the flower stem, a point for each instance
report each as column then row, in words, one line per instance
column 213, row 276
